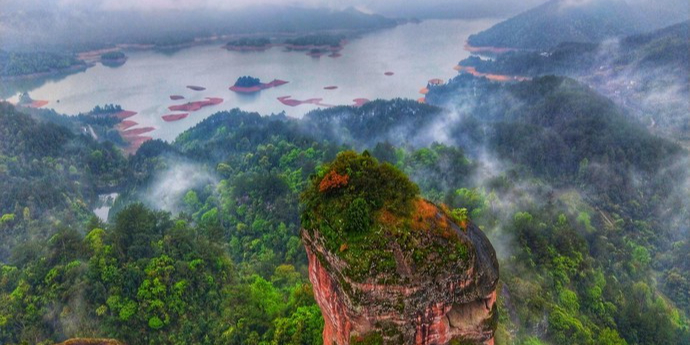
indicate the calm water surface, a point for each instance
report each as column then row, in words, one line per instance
column 414, row 52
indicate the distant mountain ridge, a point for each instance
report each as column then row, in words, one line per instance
column 558, row 21
column 647, row 73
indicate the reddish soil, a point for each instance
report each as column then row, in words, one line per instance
column 125, row 114
column 196, row 88
column 35, row 104
column 488, row 49
column 194, row 106
column 495, row 77
column 332, row 87
column 174, row 117
column 176, row 97
column 389, row 73
column 242, row 89
column 360, row 101
column 262, row 86
column 124, row 125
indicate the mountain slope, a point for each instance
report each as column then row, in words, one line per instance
column 647, row 73
column 558, row 21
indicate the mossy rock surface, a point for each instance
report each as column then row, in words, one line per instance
column 372, row 217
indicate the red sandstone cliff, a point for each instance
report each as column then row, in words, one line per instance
column 422, row 309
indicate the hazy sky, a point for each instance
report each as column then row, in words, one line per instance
column 372, row 5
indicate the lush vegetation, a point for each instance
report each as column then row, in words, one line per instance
column 106, row 109
column 556, row 22
column 360, row 207
column 667, row 47
column 647, row 73
column 48, row 178
column 586, row 209
column 247, row 81
column 17, row 64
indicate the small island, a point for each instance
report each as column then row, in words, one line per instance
column 113, row 59
column 249, row 44
column 321, row 42
column 248, row 84
column 317, row 45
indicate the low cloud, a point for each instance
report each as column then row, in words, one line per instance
column 170, row 185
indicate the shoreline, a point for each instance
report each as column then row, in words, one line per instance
column 488, row 49
column 73, row 68
column 493, row 77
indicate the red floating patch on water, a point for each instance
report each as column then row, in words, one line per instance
column 287, row 100
column 389, row 73
column 174, row 117
column 194, row 106
column 176, row 97
column 262, row 86
column 333, row 87
column 127, row 124
column 335, row 55
column 196, row 88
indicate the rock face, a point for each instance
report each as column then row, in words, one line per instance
column 423, row 311
column 425, row 295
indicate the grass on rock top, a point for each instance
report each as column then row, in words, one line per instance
column 372, row 216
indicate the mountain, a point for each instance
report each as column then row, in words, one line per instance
column 55, row 29
column 586, row 209
column 389, row 267
column 647, row 74
column 558, row 21
column 47, row 172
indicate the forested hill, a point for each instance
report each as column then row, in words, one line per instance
column 667, row 48
column 646, row 73
column 17, row 64
column 590, row 238
column 48, row 173
column 57, row 29
column 558, row 21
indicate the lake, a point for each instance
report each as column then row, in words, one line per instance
column 415, row 53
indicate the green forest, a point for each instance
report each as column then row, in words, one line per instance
column 580, row 202
column 15, row 64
